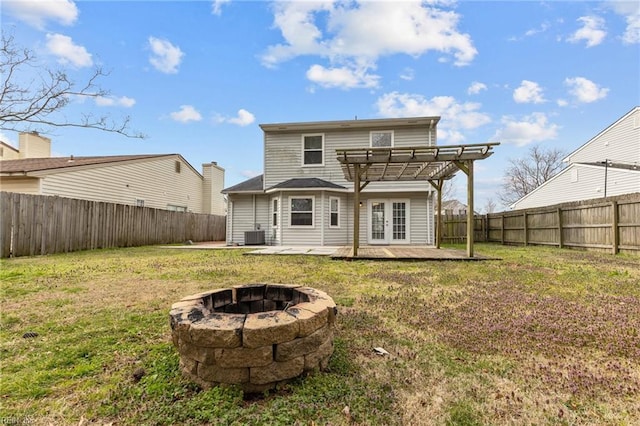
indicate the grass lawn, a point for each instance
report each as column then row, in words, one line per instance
column 543, row 336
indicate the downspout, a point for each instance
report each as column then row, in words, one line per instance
column 254, row 211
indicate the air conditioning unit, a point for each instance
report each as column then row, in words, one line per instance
column 253, row 238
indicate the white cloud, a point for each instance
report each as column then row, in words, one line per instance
column 244, row 118
column 585, row 90
column 363, row 31
column 67, row 52
column 455, row 116
column 562, row 102
column 342, row 77
column 165, row 57
column 476, row 87
column 186, row 114
column 532, row 128
column 123, row 101
column 37, row 13
column 528, row 92
column 216, row 7
column 592, row 31
column 543, row 27
column 630, row 10
column 407, row 74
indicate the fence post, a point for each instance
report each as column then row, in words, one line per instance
column 502, row 229
column 614, row 227
column 526, row 230
column 560, row 240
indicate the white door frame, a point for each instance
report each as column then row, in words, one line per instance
column 385, row 233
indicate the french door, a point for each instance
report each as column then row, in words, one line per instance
column 388, row 221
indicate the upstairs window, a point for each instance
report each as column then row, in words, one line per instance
column 381, row 139
column 313, row 150
column 301, row 211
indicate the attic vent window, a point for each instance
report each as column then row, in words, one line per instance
column 177, row 167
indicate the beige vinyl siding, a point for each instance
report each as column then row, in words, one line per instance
column 24, row 185
column 155, row 181
column 213, row 183
column 245, row 212
column 589, row 184
column 342, row 234
column 620, row 142
column 283, row 156
column 299, row 236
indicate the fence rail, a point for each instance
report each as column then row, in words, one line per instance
column 36, row 224
column 611, row 224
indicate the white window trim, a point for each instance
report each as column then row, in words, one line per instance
column 338, row 212
column 313, row 213
column 381, row 131
column 303, row 150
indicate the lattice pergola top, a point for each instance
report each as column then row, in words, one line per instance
column 425, row 163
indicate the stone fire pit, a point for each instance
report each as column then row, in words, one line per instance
column 255, row 336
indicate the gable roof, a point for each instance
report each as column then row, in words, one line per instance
column 253, row 185
column 599, row 135
column 55, row 164
column 306, row 183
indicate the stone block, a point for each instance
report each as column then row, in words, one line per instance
column 189, row 365
column 215, row 373
column 269, row 305
column 218, row 331
column 277, row 371
column 268, row 328
column 249, row 293
column 197, row 353
column 244, row 357
column 308, row 321
column 280, row 292
column 254, row 388
column 220, row 298
column 302, row 345
column 319, row 358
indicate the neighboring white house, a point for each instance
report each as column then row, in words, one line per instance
column 303, row 197
column 162, row 181
column 607, row 165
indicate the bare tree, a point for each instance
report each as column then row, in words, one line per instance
column 490, row 206
column 26, row 103
column 523, row 175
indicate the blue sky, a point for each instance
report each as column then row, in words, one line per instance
column 198, row 77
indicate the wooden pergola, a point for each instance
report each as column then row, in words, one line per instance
column 434, row 164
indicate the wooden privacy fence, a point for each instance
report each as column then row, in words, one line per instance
column 610, row 224
column 36, row 224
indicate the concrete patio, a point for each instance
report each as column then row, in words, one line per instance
column 390, row 252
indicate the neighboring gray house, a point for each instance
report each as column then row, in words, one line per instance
column 162, row 181
column 607, row 165
column 303, row 197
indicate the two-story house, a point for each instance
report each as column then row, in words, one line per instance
column 606, row 165
column 304, row 198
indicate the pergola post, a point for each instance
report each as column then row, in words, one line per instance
column 439, row 220
column 356, row 209
column 470, row 208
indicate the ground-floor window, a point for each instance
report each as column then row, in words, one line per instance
column 301, row 211
column 334, row 212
